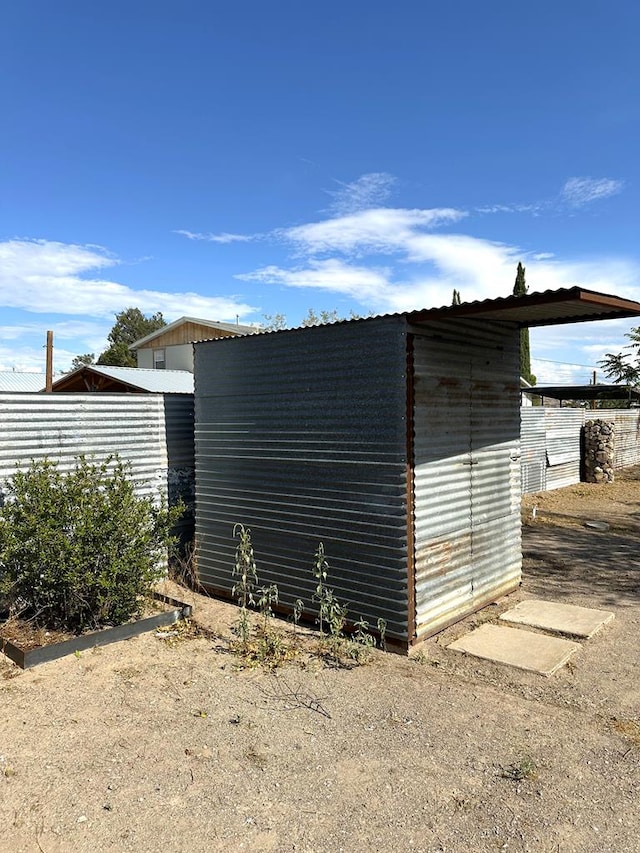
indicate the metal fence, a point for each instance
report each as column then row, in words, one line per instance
column 152, row 432
column 551, row 444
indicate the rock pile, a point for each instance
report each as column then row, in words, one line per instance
column 599, row 451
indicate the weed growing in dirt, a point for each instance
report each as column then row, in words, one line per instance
column 262, row 644
column 246, row 572
column 519, row 771
column 257, row 644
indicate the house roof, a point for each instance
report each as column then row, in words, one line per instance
column 97, row 377
column 551, row 307
column 586, row 392
column 23, row 383
column 232, row 328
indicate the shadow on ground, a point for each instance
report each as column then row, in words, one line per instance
column 562, row 562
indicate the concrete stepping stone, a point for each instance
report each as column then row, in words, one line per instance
column 558, row 618
column 514, row 647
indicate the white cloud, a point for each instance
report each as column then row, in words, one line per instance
column 367, row 191
column 383, row 230
column 43, row 276
column 578, row 192
column 364, row 284
column 224, row 237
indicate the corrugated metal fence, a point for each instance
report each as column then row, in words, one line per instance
column 551, row 443
column 153, row 432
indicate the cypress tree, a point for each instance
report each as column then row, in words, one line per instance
column 519, row 289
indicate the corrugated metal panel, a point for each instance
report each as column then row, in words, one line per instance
column 467, row 470
column 23, row 383
column 551, row 440
column 302, row 438
column 533, row 460
column 153, row 381
column 181, row 476
column 563, row 428
column 627, row 434
column 60, row 427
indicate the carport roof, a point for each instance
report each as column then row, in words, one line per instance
column 585, row 392
column 551, row 307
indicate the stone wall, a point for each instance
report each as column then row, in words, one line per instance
column 599, row 451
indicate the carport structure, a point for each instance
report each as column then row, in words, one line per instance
column 393, row 440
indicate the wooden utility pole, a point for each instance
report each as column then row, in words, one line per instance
column 49, row 369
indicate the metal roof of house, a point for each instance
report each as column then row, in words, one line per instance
column 23, row 383
column 234, row 328
column 97, row 377
column 585, row 392
column 551, row 307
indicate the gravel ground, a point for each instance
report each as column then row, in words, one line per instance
column 153, row 745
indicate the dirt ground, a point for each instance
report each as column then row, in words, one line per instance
column 150, row 744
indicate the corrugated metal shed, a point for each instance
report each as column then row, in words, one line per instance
column 23, row 383
column 393, row 440
column 95, row 377
column 298, row 437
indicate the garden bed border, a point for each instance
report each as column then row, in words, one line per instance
column 25, row 659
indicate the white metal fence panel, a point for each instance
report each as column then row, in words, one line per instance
column 62, row 426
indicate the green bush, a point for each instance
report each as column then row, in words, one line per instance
column 80, row 550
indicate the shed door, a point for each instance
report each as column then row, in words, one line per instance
column 466, row 471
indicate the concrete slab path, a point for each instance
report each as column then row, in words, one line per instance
column 514, row 647
column 559, row 618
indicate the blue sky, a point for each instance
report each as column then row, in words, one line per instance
column 227, row 160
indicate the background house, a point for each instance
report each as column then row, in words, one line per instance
column 170, row 348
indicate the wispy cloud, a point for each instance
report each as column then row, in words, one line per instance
column 369, row 190
column 578, row 192
column 383, row 230
column 218, row 238
column 365, row 284
column 535, row 208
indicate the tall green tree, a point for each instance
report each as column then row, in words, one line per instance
column 624, row 367
column 456, row 297
column 130, row 325
column 81, row 360
column 519, row 289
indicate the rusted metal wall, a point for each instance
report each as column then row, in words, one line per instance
column 137, row 427
column 467, row 469
column 301, row 436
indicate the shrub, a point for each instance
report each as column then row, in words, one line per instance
column 80, row 549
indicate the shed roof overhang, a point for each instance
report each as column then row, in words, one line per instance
column 552, row 307
column 586, row 392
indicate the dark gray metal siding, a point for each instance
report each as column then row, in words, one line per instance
column 301, row 436
column 466, row 468
column 181, row 471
